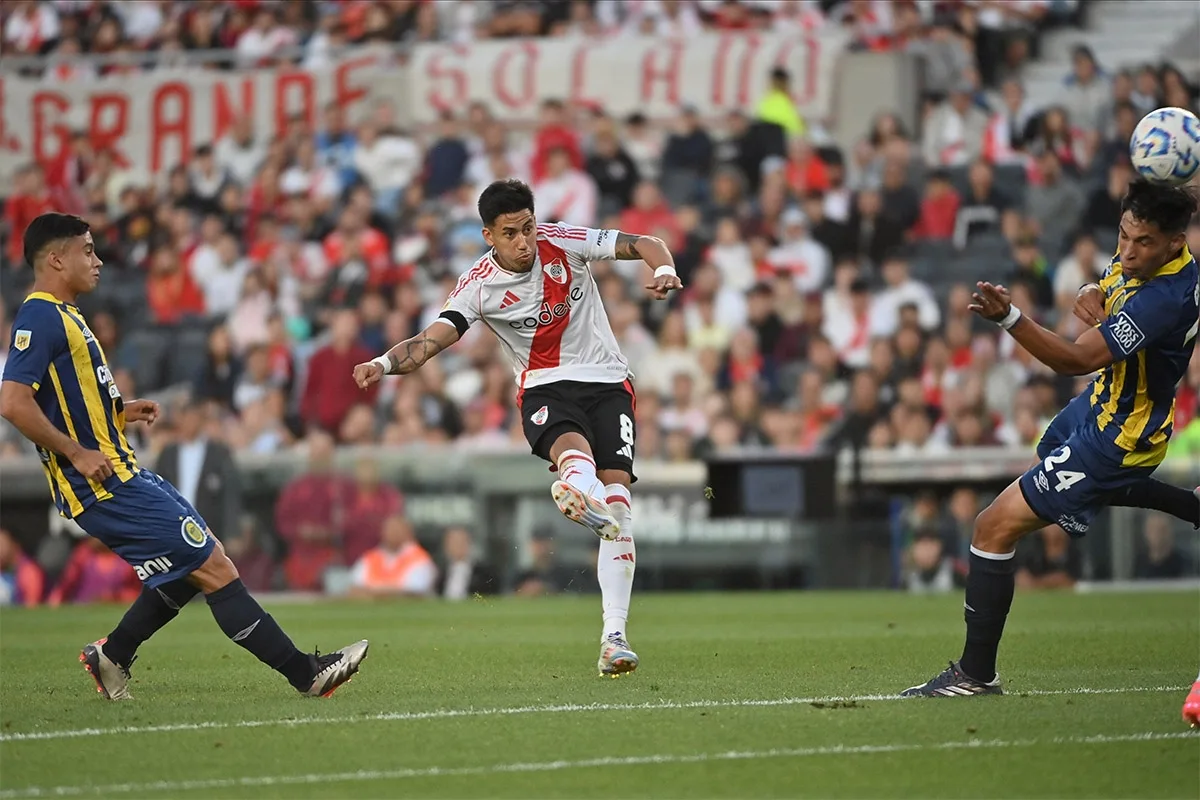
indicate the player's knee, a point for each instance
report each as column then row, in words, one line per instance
column 993, row 532
column 217, row 572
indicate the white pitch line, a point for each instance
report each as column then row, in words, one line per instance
column 567, row 708
column 554, row 766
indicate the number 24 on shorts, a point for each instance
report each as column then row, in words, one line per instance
column 1066, row 478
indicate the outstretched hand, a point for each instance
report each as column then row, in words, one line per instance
column 662, row 286
column 990, row 302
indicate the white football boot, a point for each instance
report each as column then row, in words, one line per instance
column 112, row 679
column 585, row 510
column 616, row 657
column 336, row 668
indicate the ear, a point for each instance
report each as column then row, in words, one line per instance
column 1178, row 241
column 487, row 237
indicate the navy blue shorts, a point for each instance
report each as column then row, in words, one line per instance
column 148, row 523
column 1077, row 472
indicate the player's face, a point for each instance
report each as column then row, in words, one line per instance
column 1144, row 247
column 515, row 238
column 80, row 264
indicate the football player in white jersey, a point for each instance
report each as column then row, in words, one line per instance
column 534, row 289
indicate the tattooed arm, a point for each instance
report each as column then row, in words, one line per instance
column 409, row 355
column 658, row 258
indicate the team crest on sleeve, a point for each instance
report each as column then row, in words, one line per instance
column 193, row 534
column 556, row 271
column 539, row 416
column 21, row 339
column 1126, row 333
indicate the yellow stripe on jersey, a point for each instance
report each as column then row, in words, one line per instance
column 1116, row 386
column 93, row 400
column 63, row 484
column 1134, row 424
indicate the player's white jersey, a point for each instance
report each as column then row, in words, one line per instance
column 550, row 320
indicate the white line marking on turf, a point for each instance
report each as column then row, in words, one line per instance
column 567, row 708
column 553, row 766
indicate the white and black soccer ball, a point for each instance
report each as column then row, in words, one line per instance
column 1165, row 146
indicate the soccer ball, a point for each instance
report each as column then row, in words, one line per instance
column 1165, row 146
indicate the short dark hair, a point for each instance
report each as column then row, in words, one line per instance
column 504, row 197
column 50, row 228
column 1171, row 208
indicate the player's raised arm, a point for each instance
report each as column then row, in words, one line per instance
column 656, row 254
column 410, row 355
column 1147, row 316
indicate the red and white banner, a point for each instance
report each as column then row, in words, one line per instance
column 151, row 120
column 713, row 72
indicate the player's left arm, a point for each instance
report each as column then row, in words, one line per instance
column 656, row 254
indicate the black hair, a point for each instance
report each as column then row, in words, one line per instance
column 504, row 197
column 50, row 228
column 1171, row 208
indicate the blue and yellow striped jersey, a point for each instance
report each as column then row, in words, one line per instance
column 54, row 352
column 1151, row 331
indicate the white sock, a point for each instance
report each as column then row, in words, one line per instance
column 579, row 470
column 615, row 566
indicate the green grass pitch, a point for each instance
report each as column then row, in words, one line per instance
column 738, row 695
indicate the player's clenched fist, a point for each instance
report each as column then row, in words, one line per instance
column 93, row 465
column 1089, row 304
column 367, row 374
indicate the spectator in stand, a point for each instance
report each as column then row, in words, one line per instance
column 22, row 582
column 848, row 328
column 309, row 515
column 1103, row 213
column 650, row 212
column 1159, row 557
column 238, row 153
column 984, row 209
column 30, row 199
column 397, row 567
column 1053, row 204
column 1088, row 91
column 939, row 209
column 565, row 193
column 687, row 159
column 172, row 294
column 218, row 378
column 799, row 255
column 1048, row 559
column 95, row 574
column 1084, row 264
column 369, row 504
column 554, row 133
column 954, row 130
column 614, row 173
column 460, row 573
column 330, row 391
column 901, row 290
column 388, row 162
column 202, row 468
column 777, row 106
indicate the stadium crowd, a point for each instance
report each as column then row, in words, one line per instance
column 825, row 291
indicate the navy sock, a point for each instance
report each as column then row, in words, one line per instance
column 990, row 585
column 244, row 621
column 1159, row 496
column 152, row 609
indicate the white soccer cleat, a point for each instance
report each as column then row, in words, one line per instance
column 336, row 668
column 616, row 657
column 586, row 510
column 112, row 680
